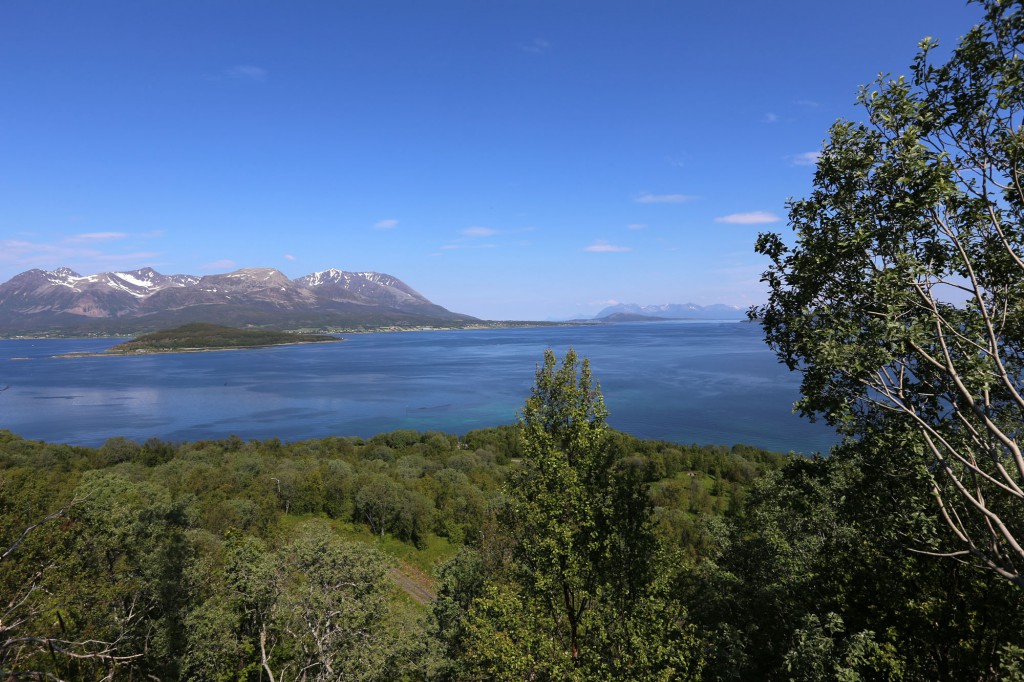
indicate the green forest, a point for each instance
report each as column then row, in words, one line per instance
column 202, row 336
column 242, row 560
column 559, row 549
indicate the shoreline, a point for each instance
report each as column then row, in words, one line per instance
column 389, row 330
column 511, row 324
column 173, row 351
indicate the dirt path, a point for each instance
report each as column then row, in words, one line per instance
column 419, row 593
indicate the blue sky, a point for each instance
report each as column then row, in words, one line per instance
column 512, row 160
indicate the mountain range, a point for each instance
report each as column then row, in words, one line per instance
column 672, row 311
column 63, row 301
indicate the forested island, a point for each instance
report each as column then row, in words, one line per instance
column 200, row 336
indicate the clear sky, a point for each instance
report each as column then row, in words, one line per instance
column 515, row 159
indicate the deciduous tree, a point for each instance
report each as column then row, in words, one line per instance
column 902, row 302
column 581, row 597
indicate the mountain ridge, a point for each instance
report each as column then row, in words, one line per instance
column 63, row 300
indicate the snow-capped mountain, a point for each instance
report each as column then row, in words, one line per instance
column 141, row 299
column 370, row 288
column 678, row 311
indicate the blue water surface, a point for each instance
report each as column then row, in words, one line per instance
column 688, row 382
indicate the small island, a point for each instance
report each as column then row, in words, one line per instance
column 199, row 337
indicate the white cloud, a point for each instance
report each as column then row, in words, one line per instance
column 386, row 224
column 806, row 159
column 289, row 256
column 604, row 247
column 771, row 117
column 750, row 218
column 246, row 72
column 479, row 231
column 535, row 46
column 647, row 198
column 635, row 226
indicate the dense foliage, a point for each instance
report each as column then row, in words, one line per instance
column 215, row 559
column 572, row 589
column 200, row 335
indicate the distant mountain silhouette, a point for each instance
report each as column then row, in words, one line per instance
column 676, row 311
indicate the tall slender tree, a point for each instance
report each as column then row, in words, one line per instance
column 558, row 499
column 578, row 598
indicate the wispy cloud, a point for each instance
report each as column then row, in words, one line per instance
column 386, row 224
column 635, row 226
column 97, row 237
column 770, row 117
column 289, row 256
column 471, row 238
column 749, row 218
column 87, row 252
column 477, row 231
column 601, row 246
column 245, row 72
column 535, row 46
column 219, row 265
column 806, row 158
column 140, row 257
column 647, row 198
column 452, row 247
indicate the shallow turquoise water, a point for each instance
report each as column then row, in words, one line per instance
column 690, row 382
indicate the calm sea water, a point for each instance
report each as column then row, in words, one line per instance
column 688, row 382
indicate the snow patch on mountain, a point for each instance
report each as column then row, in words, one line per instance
column 133, row 279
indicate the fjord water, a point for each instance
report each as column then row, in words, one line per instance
column 688, row 382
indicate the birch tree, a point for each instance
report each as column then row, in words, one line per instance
column 582, row 598
column 902, row 301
